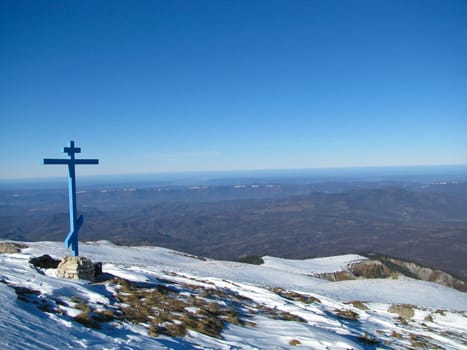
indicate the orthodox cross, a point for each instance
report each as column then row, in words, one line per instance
column 75, row 223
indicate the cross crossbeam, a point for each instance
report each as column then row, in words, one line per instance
column 69, row 161
column 75, row 223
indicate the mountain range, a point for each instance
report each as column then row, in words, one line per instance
column 425, row 223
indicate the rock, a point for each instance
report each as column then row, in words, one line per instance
column 11, row 248
column 97, row 268
column 363, row 269
column 370, row 269
column 413, row 270
column 77, row 267
column 45, row 262
column 344, row 275
column 404, row 311
column 336, row 276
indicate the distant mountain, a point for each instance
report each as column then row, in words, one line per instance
column 154, row 298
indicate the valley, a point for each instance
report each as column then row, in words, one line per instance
column 424, row 223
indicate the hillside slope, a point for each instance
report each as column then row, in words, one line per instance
column 155, row 298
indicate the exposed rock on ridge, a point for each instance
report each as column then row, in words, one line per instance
column 11, row 248
column 423, row 273
column 385, row 267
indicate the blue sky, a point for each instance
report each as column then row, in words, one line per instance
column 164, row 86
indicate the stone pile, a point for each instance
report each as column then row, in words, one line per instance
column 77, row 267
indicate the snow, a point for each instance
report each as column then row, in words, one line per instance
column 440, row 312
column 270, row 334
column 401, row 291
column 313, row 266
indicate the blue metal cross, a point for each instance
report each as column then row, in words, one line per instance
column 75, row 223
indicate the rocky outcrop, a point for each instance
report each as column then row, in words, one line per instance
column 423, row 273
column 77, row 267
column 370, row 269
column 336, row 276
column 404, row 311
column 11, row 248
column 362, row 269
column 44, row 262
column 384, row 267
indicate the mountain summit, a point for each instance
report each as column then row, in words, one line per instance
column 155, row 298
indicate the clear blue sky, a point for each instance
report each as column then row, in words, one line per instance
column 161, row 86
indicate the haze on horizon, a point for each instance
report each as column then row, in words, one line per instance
column 177, row 86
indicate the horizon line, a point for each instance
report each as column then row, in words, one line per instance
column 194, row 172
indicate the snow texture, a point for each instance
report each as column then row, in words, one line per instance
column 440, row 316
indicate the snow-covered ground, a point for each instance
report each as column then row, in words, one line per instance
column 279, row 304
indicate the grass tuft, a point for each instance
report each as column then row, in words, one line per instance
column 291, row 295
column 347, row 314
column 294, row 342
column 357, row 304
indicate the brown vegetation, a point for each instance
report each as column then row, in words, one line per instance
column 291, row 295
column 347, row 314
column 170, row 312
column 358, row 304
column 294, row 342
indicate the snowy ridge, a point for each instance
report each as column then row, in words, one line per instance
column 318, row 265
column 275, row 305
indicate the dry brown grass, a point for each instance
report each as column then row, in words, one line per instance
column 86, row 319
column 291, row 295
column 201, row 309
column 294, row 342
column 171, row 309
column 106, row 315
column 441, row 312
column 168, row 312
column 420, row 342
column 358, row 304
column 396, row 335
column 277, row 314
column 347, row 314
